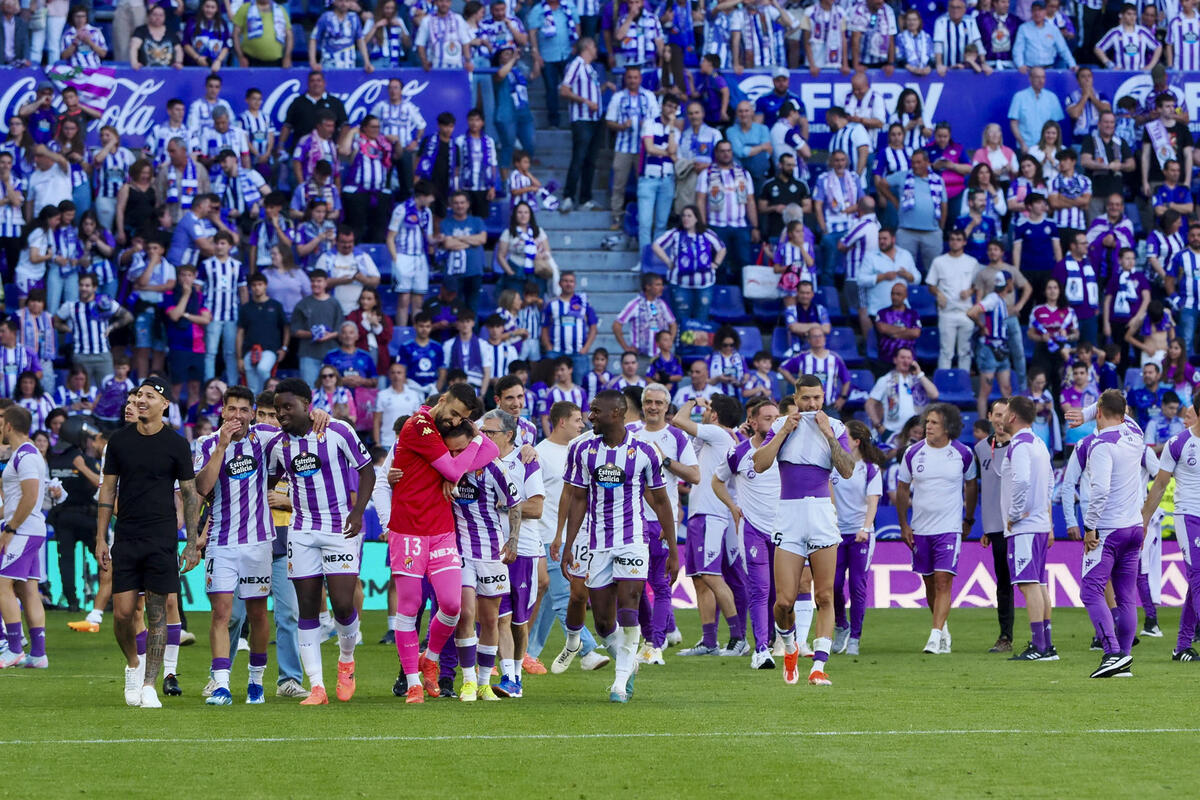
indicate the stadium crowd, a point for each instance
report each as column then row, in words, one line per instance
column 348, row 262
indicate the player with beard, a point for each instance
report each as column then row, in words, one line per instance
column 423, row 542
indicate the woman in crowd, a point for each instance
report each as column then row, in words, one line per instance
column 136, row 201
column 390, row 41
column 997, row 155
column 1046, row 149
column 1179, row 375
column 208, row 406
column 286, row 282
column 1054, row 330
column 35, row 333
column 99, row 250
column 207, row 40
column 374, row 328
column 1030, row 179
column 692, row 254
column 908, row 114
column 30, row 395
column 82, row 44
column 508, row 308
column 74, row 397
column 315, row 234
column 1045, row 422
column 331, row 397
column 726, row 367
column 38, row 254
column 982, row 179
column 20, row 143
column 154, row 44
column 524, row 251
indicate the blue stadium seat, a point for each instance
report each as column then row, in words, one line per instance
column 12, row 296
column 727, row 304
column 872, row 344
column 780, row 343
column 497, row 219
column 967, row 436
column 651, row 262
column 954, row 386
column 828, row 297
column 842, row 342
column 400, row 337
column 752, row 341
column 767, row 311
column 860, row 380
column 1133, row 379
column 380, row 255
column 928, row 345
column 486, row 305
column 387, row 298
column 299, row 41
column 922, row 301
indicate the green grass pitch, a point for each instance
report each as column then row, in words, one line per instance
column 896, row 723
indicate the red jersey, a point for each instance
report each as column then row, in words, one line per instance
column 418, row 506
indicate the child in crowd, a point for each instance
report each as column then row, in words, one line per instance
column 665, row 368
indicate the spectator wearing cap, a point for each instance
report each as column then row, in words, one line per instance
column 1040, row 43
column 262, row 34
column 767, row 108
column 751, row 143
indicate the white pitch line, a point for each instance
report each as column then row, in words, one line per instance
column 595, row 736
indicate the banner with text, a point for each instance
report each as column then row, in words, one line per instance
column 138, row 98
column 966, row 100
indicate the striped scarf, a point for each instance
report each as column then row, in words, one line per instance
column 937, row 189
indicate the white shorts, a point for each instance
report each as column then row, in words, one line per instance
column 627, row 562
column 245, row 569
column 807, row 525
column 489, row 578
column 581, row 558
column 410, row 274
column 312, row 554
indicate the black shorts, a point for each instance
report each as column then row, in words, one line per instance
column 146, row 565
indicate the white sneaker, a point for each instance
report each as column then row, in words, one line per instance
column 243, row 645
column 933, row 645
column 566, row 205
column 840, row 637
column 141, row 670
column 643, row 655
column 95, row 616
column 357, row 638
column 35, row 662
column 590, row 205
column 11, row 659
column 636, row 267
column 186, row 638
column 655, row 656
column 778, row 650
column 762, row 660
column 133, row 687
column 805, row 650
column 944, row 649
column 563, row 660
column 674, row 638
column 150, row 698
column 852, row 647
column 593, row 661
column 291, row 688
column 209, row 687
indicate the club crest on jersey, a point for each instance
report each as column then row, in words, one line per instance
column 306, row 464
column 241, row 467
column 1191, row 461
column 609, row 476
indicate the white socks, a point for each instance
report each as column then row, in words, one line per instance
column 393, row 622
column 347, row 636
column 221, row 676
column 804, row 616
column 310, row 655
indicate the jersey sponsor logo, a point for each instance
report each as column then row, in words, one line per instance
column 242, row 467
column 468, row 492
column 920, row 467
column 255, row 579
column 609, row 476
column 306, row 464
column 490, row 579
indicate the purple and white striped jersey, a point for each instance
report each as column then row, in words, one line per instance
column 862, row 238
column 1185, row 268
column 113, row 172
column 238, row 506
column 575, row 394
column 12, row 219
column 1183, row 34
column 14, row 361
column 937, row 477
column 757, row 493
column 615, row 479
column 527, row 479
column 478, row 163
column 636, row 109
column 1130, row 50
column 480, row 511
column 569, row 321
column 594, row 382
column 727, row 191
column 527, row 433
column 89, row 323
column 581, row 79
column 830, row 368
column 850, row 495
column 39, row 408
column 730, row 366
column 621, row 383
column 318, row 468
column 1072, row 188
column 221, row 282
column 413, row 226
column 402, row 120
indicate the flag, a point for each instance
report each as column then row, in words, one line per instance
column 94, row 84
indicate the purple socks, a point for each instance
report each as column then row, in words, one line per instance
column 12, row 632
column 141, row 642
column 222, row 663
column 1039, row 636
column 37, row 642
column 174, row 631
column 710, row 634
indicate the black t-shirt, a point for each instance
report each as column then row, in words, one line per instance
column 778, row 192
column 302, row 114
column 80, row 491
column 263, row 324
column 1181, row 139
column 147, row 468
column 1105, row 181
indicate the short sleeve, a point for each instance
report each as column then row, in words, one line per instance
column 183, row 457
column 903, row 470
column 653, row 470
column 874, row 481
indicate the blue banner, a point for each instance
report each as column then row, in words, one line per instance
column 139, row 99
column 966, row 100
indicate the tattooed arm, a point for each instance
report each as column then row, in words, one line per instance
column 509, row 554
column 191, row 523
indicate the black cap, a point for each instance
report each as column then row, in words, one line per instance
column 157, row 384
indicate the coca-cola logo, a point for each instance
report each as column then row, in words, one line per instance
column 138, row 103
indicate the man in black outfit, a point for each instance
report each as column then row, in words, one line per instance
column 141, row 466
column 990, row 454
column 302, row 113
column 73, row 462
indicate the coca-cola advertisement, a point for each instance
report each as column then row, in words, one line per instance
column 138, row 99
